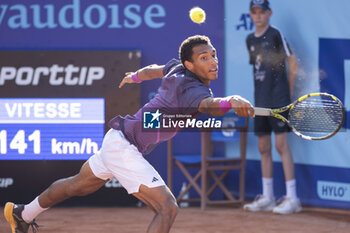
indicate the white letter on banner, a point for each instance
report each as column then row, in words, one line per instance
column 95, row 73
column 39, row 70
column 24, row 76
column 69, row 79
column 7, row 73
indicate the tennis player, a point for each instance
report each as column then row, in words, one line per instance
column 185, row 85
column 268, row 51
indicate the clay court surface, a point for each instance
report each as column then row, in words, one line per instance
column 213, row 220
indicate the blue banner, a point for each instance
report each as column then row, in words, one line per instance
column 154, row 28
column 50, row 129
column 321, row 43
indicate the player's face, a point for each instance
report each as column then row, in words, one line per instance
column 260, row 17
column 204, row 63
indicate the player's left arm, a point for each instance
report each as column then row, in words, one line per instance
column 293, row 70
column 219, row 106
column 283, row 45
column 146, row 73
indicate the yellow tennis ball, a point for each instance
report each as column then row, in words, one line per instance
column 197, row 15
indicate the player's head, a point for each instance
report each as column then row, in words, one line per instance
column 260, row 12
column 198, row 55
column 263, row 4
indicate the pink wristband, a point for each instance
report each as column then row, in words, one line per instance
column 225, row 105
column 135, row 78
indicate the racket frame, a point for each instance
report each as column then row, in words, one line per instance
column 275, row 113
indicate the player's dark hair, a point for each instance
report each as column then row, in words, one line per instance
column 185, row 50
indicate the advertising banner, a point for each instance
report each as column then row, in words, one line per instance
column 39, row 38
column 54, row 110
column 318, row 35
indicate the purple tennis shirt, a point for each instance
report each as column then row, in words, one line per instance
column 180, row 92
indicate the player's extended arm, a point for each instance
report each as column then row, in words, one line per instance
column 219, row 106
column 293, row 70
column 146, row 73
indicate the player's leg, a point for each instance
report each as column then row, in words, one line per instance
column 266, row 201
column 145, row 201
column 81, row 184
column 283, row 149
column 21, row 217
column 163, row 203
column 139, row 178
column 290, row 203
column 281, row 130
column 264, row 146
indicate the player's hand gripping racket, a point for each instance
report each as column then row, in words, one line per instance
column 315, row 116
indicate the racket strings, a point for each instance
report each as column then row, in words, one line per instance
column 316, row 116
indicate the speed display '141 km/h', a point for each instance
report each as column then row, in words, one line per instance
column 50, row 128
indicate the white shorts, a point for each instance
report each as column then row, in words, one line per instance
column 120, row 159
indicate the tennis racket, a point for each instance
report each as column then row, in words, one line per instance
column 315, row 116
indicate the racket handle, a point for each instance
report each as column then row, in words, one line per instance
column 262, row 111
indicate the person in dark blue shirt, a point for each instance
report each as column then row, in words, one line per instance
column 268, row 52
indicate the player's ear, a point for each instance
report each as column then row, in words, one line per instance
column 189, row 65
column 270, row 13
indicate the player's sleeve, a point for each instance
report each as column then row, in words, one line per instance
column 192, row 94
column 251, row 59
column 170, row 65
column 283, row 45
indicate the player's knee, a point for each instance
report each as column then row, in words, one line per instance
column 174, row 208
column 264, row 149
column 169, row 209
column 281, row 147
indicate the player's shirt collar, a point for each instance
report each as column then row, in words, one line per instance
column 192, row 75
column 263, row 33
